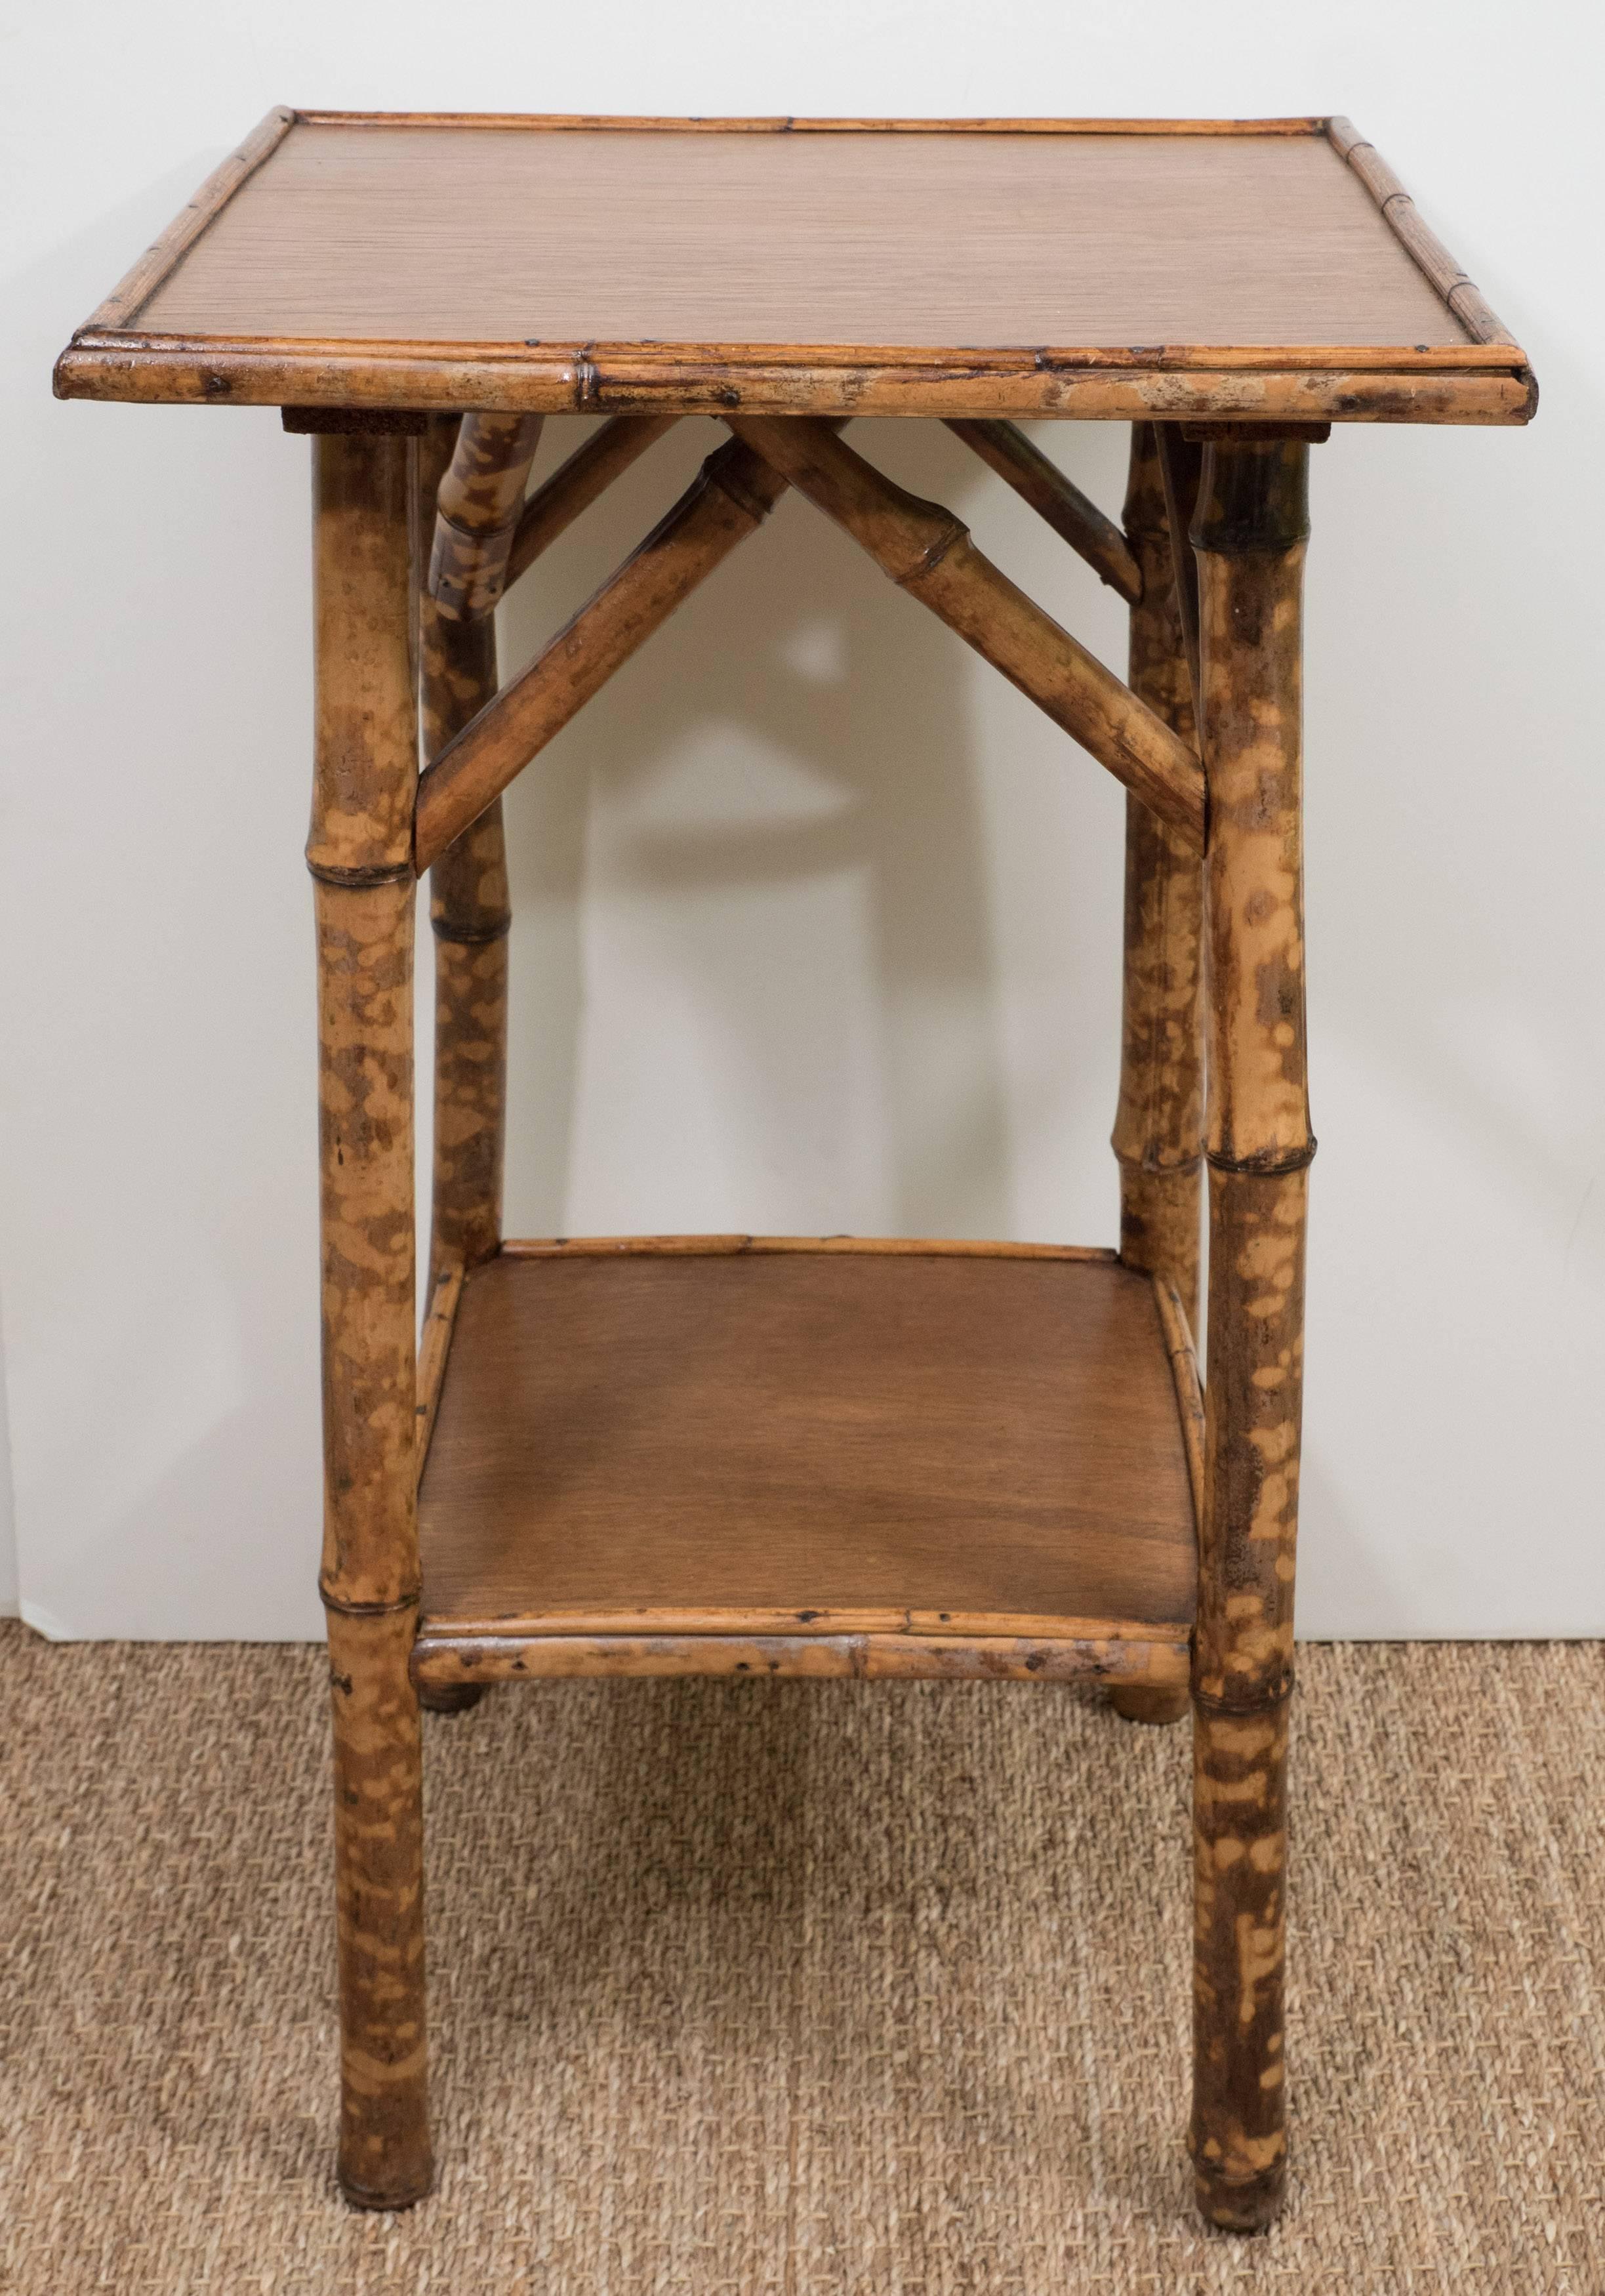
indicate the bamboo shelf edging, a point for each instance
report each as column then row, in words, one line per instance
column 729, row 499
column 928, row 553
column 1074, row 517
column 1158, row 1666
column 896, row 1246
column 575, row 484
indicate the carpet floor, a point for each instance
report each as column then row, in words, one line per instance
column 788, row 1989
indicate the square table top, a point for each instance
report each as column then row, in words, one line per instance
column 1121, row 269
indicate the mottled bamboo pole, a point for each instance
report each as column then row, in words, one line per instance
column 360, row 856
column 480, row 500
column 1249, row 531
column 928, row 553
column 1160, row 1122
column 1074, row 517
column 471, row 915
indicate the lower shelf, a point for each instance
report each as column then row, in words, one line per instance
column 729, row 1455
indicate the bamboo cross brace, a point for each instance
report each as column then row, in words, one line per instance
column 575, row 484
column 928, row 553
column 1181, row 461
column 1074, row 517
column 730, row 497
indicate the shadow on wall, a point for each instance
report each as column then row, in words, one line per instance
column 785, row 782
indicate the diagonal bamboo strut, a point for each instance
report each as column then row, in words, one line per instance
column 1181, row 462
column 434, row 1346
column 478, row 511
column 728, row 498
column 575, row 484
column 928, row 553
column 1076, row 519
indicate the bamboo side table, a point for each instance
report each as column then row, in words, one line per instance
column 774, row 1456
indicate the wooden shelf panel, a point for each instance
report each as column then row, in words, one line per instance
column 913, row 1459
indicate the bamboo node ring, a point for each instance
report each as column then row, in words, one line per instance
column 1264, row 1699
column 935, row 551
column 332, row 1602
column 357, row 880
column 462, row 936
column 1270, row 1165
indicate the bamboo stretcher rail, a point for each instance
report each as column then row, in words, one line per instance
column 730, row 497
column 927, row 552
column 1073, row 516
column 575, row 484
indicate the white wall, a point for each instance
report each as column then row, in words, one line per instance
column 817, row 921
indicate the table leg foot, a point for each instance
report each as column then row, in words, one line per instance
column 1140, row 1702
column 450, row 1697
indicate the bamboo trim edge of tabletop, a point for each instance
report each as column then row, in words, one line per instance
column 1487, row 381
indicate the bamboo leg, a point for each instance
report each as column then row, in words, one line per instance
column 1249, row 532
column 471, row 915
column 359, row 856
column 1158, row 1125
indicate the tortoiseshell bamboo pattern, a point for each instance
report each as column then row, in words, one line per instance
column 360, row 856
column 478, row 503
column 471, row 915
column 1160, row 1122
column 1250, row 530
